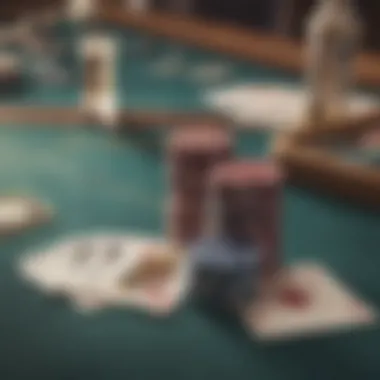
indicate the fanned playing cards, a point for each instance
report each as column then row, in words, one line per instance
column 102, row 271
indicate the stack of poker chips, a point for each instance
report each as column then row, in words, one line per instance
column 192, row 153
column 228, row 268
column 246, row 207
column 223, row 274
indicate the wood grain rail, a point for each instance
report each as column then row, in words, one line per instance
column 53, row 116
column 253, row 46
column 307, row 162
column 349, row 127
column 314, row 168
column 42, row 115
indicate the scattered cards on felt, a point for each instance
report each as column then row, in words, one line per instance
column 100, row 271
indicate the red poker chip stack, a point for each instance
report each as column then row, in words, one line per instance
column 192, row 153
column 247, row 200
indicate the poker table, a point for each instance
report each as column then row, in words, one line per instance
column 97, row 180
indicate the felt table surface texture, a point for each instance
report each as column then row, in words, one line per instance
column 97, row 181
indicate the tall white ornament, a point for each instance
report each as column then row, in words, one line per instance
column 99, row 93
column 81, row 10
column 333, row 36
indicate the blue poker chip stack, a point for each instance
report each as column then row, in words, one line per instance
column 225, row 273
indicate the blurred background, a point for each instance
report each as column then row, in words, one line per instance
column 278, row 16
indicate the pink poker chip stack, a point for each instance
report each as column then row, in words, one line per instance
column 246, row 197
column 192, row 153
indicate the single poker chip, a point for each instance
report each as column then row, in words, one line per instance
column 180, row 202
column 182, row 234
column 188, row 226
column 198, row 158
column 192, row 177
column 191, row 164
column 186, row 176
column 188, row 210
column 181, row 228
column 189, row 170
column 190, row 185
column 246, row 174
column 246, row 198
column 190, row 189
column 186, row 219
column 199, row 140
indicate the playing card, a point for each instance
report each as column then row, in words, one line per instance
column 279, row 107
column 91, row 272
column 306, row 300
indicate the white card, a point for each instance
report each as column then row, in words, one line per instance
column 272, row 106
column 87, row 270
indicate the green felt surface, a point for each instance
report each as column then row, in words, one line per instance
column 97, row 181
